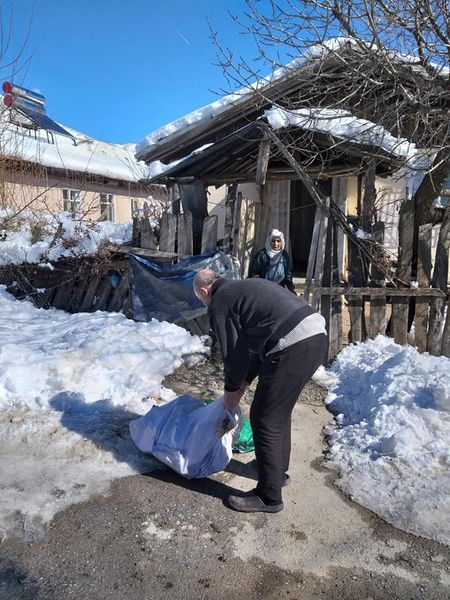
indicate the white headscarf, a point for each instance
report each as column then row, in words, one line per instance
column 270, row 251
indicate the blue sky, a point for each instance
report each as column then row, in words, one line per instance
column 118, row 69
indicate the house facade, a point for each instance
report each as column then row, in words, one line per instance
column 248, row 142
column 45, row 166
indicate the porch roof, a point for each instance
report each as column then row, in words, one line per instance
column 322, row 154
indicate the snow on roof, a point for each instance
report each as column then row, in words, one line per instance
column 115, row 161
column 214, row 109
column 219, row 106
column 340, row 124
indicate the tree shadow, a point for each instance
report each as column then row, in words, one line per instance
column 108, row 427
column 16, row 583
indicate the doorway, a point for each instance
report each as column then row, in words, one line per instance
column 301, row 223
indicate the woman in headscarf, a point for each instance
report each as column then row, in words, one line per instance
column 272, row 261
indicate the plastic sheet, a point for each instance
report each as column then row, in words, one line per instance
column 165, row 292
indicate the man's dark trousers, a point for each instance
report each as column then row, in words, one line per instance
column 282, row 376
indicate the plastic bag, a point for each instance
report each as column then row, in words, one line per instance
column 242, row 435
column 192, row 438
column 243, row 438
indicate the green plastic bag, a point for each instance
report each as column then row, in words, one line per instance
column 243, row 438
column 244, row 441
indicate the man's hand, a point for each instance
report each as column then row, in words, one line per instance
column 231, row 399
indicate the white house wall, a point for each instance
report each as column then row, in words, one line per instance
column 217, row 198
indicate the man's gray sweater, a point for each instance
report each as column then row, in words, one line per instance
column 251, row 318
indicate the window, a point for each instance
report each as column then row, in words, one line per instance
column 72, row 201
column 135, row 207
column 106, row 207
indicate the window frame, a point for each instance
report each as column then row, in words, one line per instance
column 72, row 201
column 106, row 206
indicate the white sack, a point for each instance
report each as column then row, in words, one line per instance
column 186, row 435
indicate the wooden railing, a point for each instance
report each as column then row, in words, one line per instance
column 431, row 334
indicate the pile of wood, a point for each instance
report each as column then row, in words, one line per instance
column 75, row 285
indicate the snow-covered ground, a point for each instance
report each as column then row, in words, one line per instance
column 69, row 385
column 391, row 439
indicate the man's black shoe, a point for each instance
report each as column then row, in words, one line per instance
column 250, row 502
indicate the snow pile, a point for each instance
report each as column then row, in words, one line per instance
column 61, row 237
column 69, row 385
column 391, row 438
column 340, row 124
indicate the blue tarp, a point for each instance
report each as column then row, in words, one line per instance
column 165, row 292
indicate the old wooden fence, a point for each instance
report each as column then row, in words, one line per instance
column 74, row 285
column 380, row 307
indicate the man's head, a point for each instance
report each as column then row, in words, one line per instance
column 203, row 282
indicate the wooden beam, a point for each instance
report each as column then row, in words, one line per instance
column 168, row 232
column 405, row 240
column 423, row 279
column 318, row 270
column 185, row 235
column 367, row 291
column 263, row 161
column 313, row 252
column 440, row 274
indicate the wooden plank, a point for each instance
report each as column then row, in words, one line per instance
column 168, row 232
column 136, row 236
column 209, row 234
column 235, row 230
column 400, row 305
column 423, row 279
column 263, row 161
column 369, row 197
column 313, row 251
column 156, row 255
column 440, row 272
column 335, row 334
column 377, row 319
column 320, row 259
column 102, row 293
column 325, row 303
column 377, row 276
column 339, row 195
column 355, row 311
column 229, row 212
column 405, row 240
column 185, row 235
column 445, row 347
column 367, row 291
column 435, row 327
column 86, row 303
column 118, row 296
column 439, row 280
column 78, row 291
column 148, row 239
column 63, row 292
column 48, row 296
